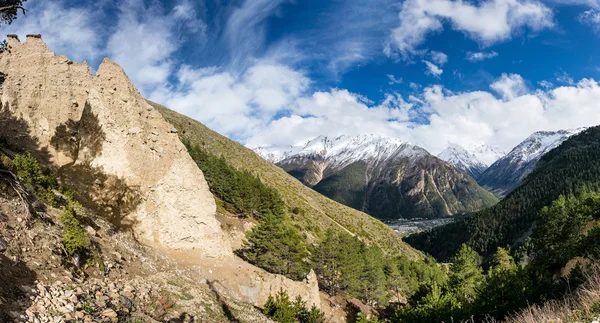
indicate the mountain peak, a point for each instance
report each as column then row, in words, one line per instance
column 506, row 173
column 361, row 145
column 463, row 160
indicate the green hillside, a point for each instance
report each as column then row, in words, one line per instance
column 318, row 213
column 567, row 170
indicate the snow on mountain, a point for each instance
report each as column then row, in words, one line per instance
column 539, row 143
column 486, row 154
column 343, row 150
column 276, row 154
column 463, row 160
column 507, row 173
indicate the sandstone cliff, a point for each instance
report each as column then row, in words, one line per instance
column 123, row 161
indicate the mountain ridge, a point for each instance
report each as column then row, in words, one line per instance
column 508, row 172
column 385, row 177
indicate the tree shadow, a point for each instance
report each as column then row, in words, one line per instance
column 16, row 137
column 224, row 306
column 15, row 277
column 107, row 195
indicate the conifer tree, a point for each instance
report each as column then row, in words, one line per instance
column 276, row 246
column 467, row 277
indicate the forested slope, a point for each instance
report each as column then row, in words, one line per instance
column 569, row 169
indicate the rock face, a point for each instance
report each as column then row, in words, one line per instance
column 384, row 177
column 123, row 161
column 119, row 155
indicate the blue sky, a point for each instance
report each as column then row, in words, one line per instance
column 275, row 72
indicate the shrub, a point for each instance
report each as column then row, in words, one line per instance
column 75, row 238
column 281, row 309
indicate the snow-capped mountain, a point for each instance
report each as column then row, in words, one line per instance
column 385, row 177
column 463, row 160
column 341, row 150
column 485, row 153
column 507, row 173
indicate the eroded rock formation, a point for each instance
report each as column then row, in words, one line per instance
column 124, row 161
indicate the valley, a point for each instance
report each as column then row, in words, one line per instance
column 409, row 226
column 299, row 162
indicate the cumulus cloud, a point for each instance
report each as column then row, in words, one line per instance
column 509, row 86
column 335, row 112
column 432, row 69
column 268, row 101
column 438, row 57
column 469, row 118
column 487, row 23
column 480, row 56
column 231, row 104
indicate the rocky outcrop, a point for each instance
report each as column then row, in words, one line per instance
column 100, row 129
column 124, row 162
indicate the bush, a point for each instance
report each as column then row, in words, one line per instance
column 281, row 309
column 29, row 171
column 75, row 238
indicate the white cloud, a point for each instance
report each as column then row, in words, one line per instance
column 432, row 69
column 334, row 113
column 393, row 80
column 565, row 78
column 509, row 86
column 469, row 118
column 591, row 17
column 480, row 56
column 546, row 84
column 487, row 23
column 235, row 105
column 65, row 29
column 145, row 40
column 438, row 57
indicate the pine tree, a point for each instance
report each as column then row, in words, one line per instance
column 276, row 246
column 467, row 278
column 337, row 262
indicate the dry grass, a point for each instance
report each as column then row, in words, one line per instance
column 320, row 213
column 581, row 306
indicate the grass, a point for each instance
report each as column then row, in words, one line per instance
column 320, row 213
column 581, row 306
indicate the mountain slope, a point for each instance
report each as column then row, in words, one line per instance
column 317, row 214
column 569, row 169
column 508, row 172
column 463, row 160
column 384, row 177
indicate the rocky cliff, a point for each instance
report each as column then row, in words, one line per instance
column 124, row 162
column 106, row 139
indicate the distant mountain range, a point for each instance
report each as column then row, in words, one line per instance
column 383, row 176
column 562, row 169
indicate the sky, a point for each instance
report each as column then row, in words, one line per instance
column 280, row 72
